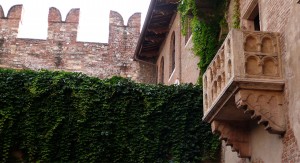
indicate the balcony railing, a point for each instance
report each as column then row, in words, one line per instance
column 245, row 76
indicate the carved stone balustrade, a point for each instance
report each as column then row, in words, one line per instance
column 243, row 85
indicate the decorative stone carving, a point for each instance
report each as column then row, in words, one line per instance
column 246, row 89
column 235, row 135
column 266, row 107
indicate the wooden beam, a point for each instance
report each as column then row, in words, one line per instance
column 160, row 30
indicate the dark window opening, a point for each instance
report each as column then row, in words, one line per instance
column 162, row 69
column 173, row 54
column 256, row 23
column 254, row 18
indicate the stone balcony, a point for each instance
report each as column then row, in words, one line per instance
column 243, row 86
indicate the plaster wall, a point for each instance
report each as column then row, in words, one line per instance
column 165, row 52
column 266, row 147
column 186, row 69
column 189, row 61
column 229, row 156
column 292, row 70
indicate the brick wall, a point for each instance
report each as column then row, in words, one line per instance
column 61, row 51
column 291, row 152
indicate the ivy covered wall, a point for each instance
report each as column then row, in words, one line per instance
column 208, row 27
column 69, row 117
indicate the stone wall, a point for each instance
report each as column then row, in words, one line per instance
column 61, row 51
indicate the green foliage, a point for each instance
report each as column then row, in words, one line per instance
column 69, row 117
column 205, row 29
column 205, row 39
column 236, row 14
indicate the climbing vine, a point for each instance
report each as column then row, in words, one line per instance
column 206, row 27
column 236, row 14
column 69, row 117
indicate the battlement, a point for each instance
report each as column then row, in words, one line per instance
column 14, row 12
column 61, row 51
column 59, row 27
column 55, row 16
column 1, row 12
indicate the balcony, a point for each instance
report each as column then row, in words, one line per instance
column 243, row 85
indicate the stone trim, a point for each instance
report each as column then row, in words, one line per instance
column 266, row 107
column 235, row 135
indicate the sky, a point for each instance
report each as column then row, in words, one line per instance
column 93, row 19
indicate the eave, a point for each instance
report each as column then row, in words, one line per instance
column 156, row 27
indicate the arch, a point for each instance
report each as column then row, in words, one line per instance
column 172, row 53
column 54, row 15
column 252, row 65
column 206, row 101
column 270, row 66
column 267, row 45
column 250, row 44
column 223, row 80
column 222, row 57
column 215, row 92
column 205, row 82
column 161, row 70
column 214, row 69
column 210, row 74
column 229, row 69
column 229, row 46
column 219, row 84
column 218, row 62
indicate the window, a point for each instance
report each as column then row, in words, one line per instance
column 172, row 55
column 256, row 23
column 256, row 20
column 161, row 71
column 188, row 31
column 251, row 17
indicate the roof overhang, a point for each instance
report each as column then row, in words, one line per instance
column 156, row 27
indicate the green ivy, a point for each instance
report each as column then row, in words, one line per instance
column 205, row 29
column 236, row 14
column 69, row 117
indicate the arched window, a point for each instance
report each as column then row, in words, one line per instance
column 172, row 55
column 161, row 71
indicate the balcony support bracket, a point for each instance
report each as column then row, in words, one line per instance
column 266, row 107
column 235, row 135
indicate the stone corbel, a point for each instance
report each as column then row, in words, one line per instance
column 264, row 106
column 235, row 134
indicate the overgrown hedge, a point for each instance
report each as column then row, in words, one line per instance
column 69, row 117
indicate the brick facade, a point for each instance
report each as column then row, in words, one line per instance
column 61, row 51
